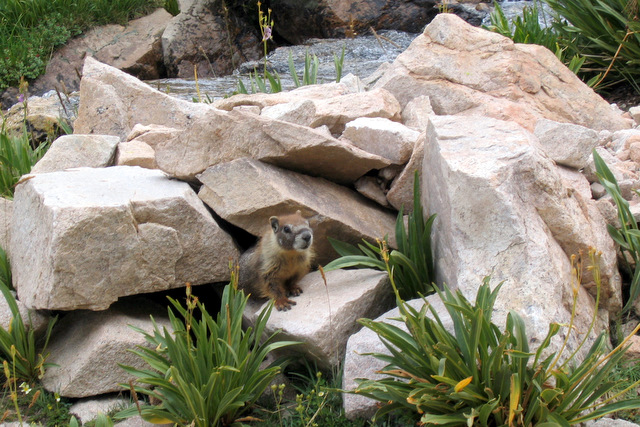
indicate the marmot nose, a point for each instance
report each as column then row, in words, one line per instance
column 306, row 236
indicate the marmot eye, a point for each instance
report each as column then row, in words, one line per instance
column 286, row 229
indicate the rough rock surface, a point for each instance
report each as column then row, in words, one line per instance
column 388, row 139
column 114, row 232
column 6, row 213
column 136, row 153
column 87, row 347
column 44, row 114
column 113, row 102
column 504, row 211
column 222, row 136
column 470, row 71
column 400, row 195
column 335, row 112
column 202, row 35
column 325, row 316
column 247, row 192
column 567, row 144
column 75, row 151
column 135, row 48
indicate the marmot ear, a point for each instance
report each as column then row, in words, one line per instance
column 274, row 223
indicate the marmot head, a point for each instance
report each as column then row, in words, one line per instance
column 292, row 231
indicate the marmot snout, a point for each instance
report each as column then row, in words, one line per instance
column 273, row 267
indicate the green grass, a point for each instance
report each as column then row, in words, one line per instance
column 37, row 406
column 31, row 30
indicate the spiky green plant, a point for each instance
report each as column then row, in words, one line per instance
column 17, row 157
column 19, row 347
column 206, row 371
column 411, row 263
column 606, row 33
column 480, row 375
column 628, row 235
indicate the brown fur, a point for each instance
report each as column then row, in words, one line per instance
column 273, row 267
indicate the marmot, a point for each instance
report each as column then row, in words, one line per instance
column 273, row 267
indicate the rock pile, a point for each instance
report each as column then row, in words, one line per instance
column 499, row 155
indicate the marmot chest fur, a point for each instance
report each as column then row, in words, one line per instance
column 273, row 267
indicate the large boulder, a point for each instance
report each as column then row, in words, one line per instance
column 86, row 348
column 247, row 192
column 466, row 70
column 113, row 102
column 207, row 36
column 504, row 211
column 82, row 238
column 135, row 48
column 325, row 315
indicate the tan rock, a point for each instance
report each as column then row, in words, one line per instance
column 87, row 347
column 633, row 352
column 634, row 152
column 151, row 134
column 400, row 195
column 136, row 153
column 567, row 144
column 6, row 213
column 383, row 137
column 224, row 136
column 75, row 151
column 370, row 187
column 416, row 113
column 113, row 102
column 635, row 113
column 303, row 93
column 32, row 319
column 467, row 70
column 336, row 111
column 115, row 232
column 325, row 315
column 247, row 192
column 44, row 114
column 360, row 363
column 502, row 210
column 88, row 409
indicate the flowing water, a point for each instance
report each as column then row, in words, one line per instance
column 362, row 56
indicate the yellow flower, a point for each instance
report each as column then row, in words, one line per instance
column 462, row 384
